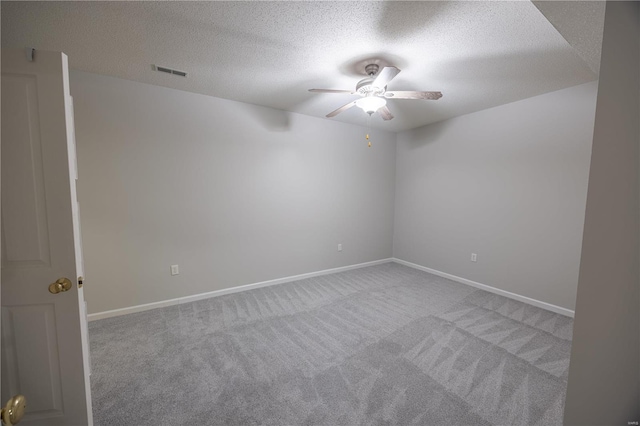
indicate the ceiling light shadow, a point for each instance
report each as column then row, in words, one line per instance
column 521, row 74
column 165, row 13
column 423, row 136
column 355, row 67
column 400, row 19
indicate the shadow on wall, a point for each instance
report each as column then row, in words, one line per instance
column 273, row 120
column 422, row 136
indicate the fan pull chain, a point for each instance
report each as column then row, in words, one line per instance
column 369, row 129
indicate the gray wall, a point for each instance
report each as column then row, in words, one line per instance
column 509, row 184
column 603, row 375
column 233, row 193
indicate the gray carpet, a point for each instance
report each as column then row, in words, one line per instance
column 383, row 345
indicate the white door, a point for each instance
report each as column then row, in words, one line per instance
column 44, row 336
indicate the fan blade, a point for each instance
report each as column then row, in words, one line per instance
column 413, row 95
column 342, row 108
column 385, row 113
column 331, row 91
column 384, row 76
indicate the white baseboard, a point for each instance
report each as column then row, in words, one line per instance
column 524, row 299
column 193, row 298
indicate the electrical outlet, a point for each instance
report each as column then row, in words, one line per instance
column 474, row 257
column 339, row 247
column 175, row 270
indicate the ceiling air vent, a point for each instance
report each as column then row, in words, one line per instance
column 169, row 71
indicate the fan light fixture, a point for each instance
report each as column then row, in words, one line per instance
column 371, row 104
column 374, row 93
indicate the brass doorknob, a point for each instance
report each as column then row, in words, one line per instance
column 62, row 284
column 13, row 412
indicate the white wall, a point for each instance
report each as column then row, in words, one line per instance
column 233, row 193
column 508, row 183
column 237, row 194
column 604, row 382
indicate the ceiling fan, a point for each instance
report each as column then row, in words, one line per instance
column 374, row 94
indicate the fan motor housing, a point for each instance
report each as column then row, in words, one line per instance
column 365, row 88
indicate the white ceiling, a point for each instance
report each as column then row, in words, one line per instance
column 478, row 54
column 581, row 23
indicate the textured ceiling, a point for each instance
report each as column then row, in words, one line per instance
column 581, row 23
column 478, row 54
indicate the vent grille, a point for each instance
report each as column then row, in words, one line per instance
column 169, row 71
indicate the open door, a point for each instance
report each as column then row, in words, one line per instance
column 44, row 332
